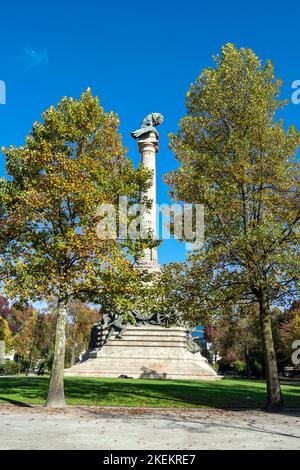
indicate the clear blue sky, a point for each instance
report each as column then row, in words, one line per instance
column 138, row 56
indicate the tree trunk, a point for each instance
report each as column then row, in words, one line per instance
column 29, row 367
column 248, row 362
column 274, row 395
column 56, row 394
column 72, row 360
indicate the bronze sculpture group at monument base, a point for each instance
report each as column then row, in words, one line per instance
column 110, row 323
column 149, row 347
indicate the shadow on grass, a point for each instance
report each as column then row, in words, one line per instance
column 15, row 402
column 23, row 390
column 146, row 393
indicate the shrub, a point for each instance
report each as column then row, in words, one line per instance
column 10, row 368
column 240, row 367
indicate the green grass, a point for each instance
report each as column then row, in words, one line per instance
column 229, row 393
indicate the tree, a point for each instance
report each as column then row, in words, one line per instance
column 5, row 309
column 15, row 317
column 238, row 161
column 80, row 321
column 236, row 337
column 5, row 334
column 72, row 163
column 29, row 343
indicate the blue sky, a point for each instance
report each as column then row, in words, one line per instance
column 138, row 56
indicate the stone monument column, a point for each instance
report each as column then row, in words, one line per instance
column 148, row 148
column 147, row 138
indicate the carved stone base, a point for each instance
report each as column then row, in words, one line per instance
column 146, row 352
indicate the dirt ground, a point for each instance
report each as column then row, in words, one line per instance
column 128, row 429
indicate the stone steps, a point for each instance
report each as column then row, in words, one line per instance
column 144, row 352
column 146, row 343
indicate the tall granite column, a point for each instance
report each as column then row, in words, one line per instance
column 147, row 138
column 148, row 148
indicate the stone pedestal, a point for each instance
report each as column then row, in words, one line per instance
column 146, row 352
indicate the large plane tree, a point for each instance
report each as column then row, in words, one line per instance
column 240, row 162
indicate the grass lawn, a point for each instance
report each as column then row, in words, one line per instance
column 226, row 393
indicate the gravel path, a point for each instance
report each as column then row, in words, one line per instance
column 111, row 428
